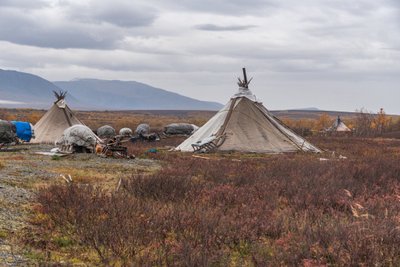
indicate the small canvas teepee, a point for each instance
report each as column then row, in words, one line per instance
column 246, row 125
column 339, row 126
column 58, row 118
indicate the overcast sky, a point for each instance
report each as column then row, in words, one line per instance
column 329, row 54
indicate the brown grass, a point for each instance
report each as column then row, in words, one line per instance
column 276, row 210
column 118, row 119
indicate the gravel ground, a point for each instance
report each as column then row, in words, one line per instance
column 22, row 172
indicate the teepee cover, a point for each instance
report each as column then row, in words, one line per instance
column 58, row 118
column 339, row 126
column 246, row 125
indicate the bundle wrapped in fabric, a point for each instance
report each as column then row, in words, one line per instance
column 125, row 132
column 142, row 129
column 8, row 132
column 180, row 128
column 77, row 138
column 106, row 132
column 24, row 130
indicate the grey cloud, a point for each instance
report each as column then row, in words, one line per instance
column 305, row 65
column 126, row 16
column 232, row 7
column 28, row 30
column 213, row 27
column 121, row 13
column 394, row 3
column 334, row 30
column 391, row 49
column 98, row 25
column 255, row 51
column 24, row 4
column 23, row 57
column 355, row 7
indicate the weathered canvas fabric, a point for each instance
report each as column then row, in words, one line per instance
column 106, row 132
column 77, row 136
column 125, row 131
column 52, row 125
column 180, row 128
column 7, row 132
column 142, row 129
column 246, row 125
column 339, row 126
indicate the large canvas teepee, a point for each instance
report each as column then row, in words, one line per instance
column 58, row 118
column 246, row 125
column 339, row 126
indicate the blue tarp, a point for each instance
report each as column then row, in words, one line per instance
column 24, row 130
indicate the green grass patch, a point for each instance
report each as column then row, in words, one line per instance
column 63, row 242
column 3, row 234
column 55, row 157
column 34, row 256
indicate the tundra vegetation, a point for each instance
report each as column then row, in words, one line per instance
column 227, row 209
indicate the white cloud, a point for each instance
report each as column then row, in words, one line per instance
column 8, row 102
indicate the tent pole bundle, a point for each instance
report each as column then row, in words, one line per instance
column 245, row 125
column 244, row 83
column 61, row 97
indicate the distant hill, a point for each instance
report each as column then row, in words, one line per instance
column 297, row 114
column 310, row 109
column 131, row 95
column 25, row 90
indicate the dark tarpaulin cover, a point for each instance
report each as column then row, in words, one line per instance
column 180, row 128
column 7, row 132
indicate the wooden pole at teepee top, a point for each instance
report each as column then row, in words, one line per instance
column 245, row 78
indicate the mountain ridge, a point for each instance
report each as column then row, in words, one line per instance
column 26, row 90
column 123, row 95
column 15, row 86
